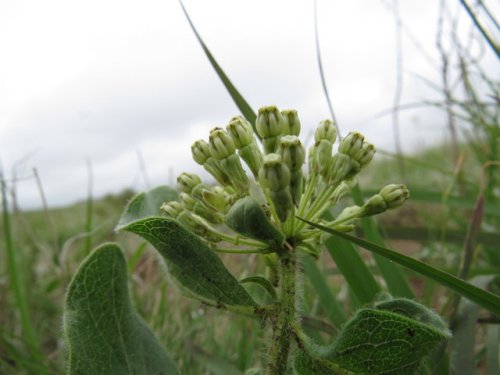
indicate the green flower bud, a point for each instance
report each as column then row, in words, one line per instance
column 394, row 195
column 172, row 209
column 366, row 154
column 201, row 154
column 340, row 166
column 270, row 126
column 188, row 201
column 352, row 144
column 221, row 144
column 293, row 155
column 200, row 151
column 240, row 131
column 374, row 205
column 323, row 154
column 291, row 122
column 325, row 131
column 186, row 182
column 349, row 214
column 216, row 197
column 292, row 152
column 275, row 176
column 198, row 226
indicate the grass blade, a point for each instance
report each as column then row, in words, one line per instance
column 15, row 279
column 328, row 300
column 240, row 102
column 482, row 297
column 353, row 268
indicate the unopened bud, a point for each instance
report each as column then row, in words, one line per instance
column 221, row 144
column 349, row 213
column 200, row 151
column 291, row 122
column 375, row 205
column 172, row 209
column 186, row 182
column 352, row 143
column 325, row 131
column 240, row 131
column 340, row 166
column 367, row 153
column 270, row 126
column 188, row 201
column 293, row 155
column 394, row 195
column 292, row 152
column 216, row 198
column 274, row 174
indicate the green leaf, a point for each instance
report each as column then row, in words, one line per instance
column 262, row 282
column 247, row 217
column 191, row 262
column 482, row 297
column 383, row 342
column 240, row 102
column 304, row 364
column 104, row 334
column 146, row 204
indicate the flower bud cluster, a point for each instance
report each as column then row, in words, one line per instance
column 280, row 187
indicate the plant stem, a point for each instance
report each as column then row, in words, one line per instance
column 286, row 314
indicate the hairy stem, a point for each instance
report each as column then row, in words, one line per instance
column 286, row 314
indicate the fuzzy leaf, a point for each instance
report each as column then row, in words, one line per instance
column 383, row 342
column 191, row 262
column 247, row 217
column 304, row 364
column 103, row 332
column 147, row 204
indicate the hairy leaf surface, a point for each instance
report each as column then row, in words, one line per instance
column 104, row 334
column 191, row 262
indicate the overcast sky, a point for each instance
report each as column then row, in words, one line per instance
column 109, row 80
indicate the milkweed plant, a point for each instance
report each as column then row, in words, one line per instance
column 272, row 207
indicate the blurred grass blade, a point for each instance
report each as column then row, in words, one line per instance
column 240, row 102
column 492, row 344
column 353, row 268
column 482, row 297
column 327, row 299
column 215, row 364
column 393, row 276
column 15, row 278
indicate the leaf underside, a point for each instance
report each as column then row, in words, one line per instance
column 104, row 334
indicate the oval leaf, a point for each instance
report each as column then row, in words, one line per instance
column 103, row 332
column 247, row 217
column 384, row 342
column 147, row 204
column 191, row 262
